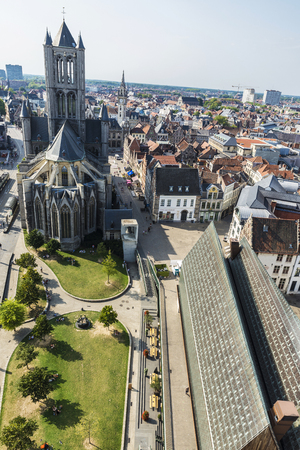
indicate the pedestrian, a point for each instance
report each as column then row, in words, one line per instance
column 146, row 217
column 41, row 270
column 187, row 391
column 0, row 246
column 148, row 229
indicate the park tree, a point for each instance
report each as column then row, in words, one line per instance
column 109, row 265
column 108, row 316
column 25, row 353
column 53, row 246
column 35, row 384
column 33, row 275
column 2, row 108
column 87, row 426
column 12, row 314
column 34, row 239
column 102, row 250
column 26, row 260
column 42, row 327
column 18, row 432
column 28, row 293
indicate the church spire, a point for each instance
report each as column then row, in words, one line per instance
column 48, row 40
column 123, row 80
column 80, row 42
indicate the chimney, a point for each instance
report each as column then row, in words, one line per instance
column 234, row 248
column 273, row 205
column 282, row 416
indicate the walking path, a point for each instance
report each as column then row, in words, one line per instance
column 129, row 307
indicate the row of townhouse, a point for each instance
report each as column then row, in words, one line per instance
column 175, row 193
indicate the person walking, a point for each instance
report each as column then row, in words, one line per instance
column 187, row 391
column 41, row 270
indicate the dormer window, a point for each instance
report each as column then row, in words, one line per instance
column 179, row 188
column 170, row 188
column 187, row 188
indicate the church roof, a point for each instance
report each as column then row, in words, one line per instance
column 24, row 112
column 80, row 42
column 104, row 114
column 66, row 146
column 64, row 37
column 48, row 39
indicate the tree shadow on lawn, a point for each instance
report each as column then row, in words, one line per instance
column 67, row 261
column 122, row 338
column 65, row 351
column 70, row 415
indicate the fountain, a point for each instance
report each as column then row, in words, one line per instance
column 83, row 323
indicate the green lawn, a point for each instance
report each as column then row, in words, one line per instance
column 86, row 278
column 92, row 368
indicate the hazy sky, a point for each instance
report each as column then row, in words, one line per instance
column 199, row 43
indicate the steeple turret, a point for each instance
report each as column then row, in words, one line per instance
column 48, row 39
column 122, row 101
column 80, row 42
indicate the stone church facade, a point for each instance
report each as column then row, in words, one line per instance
column 64, row 184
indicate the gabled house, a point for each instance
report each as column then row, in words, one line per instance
column 176, row 194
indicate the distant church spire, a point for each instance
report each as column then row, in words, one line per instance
column 123, row 79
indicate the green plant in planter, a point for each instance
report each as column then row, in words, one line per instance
column 146, row 353
column 159, row 416
column 146, row 331
column 145, row 371
column 156, row 385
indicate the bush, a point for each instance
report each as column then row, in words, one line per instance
column 145, row 371
column 34, row 239
column 159, row 416
column 146, row 353
column 145, row 416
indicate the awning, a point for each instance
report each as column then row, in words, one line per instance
column 130, row 173
column 135, row 178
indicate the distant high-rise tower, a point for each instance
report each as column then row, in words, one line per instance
column 271, row 97
column 65, row 81
column 14, row 72
column 122, row 101
column 249, row 96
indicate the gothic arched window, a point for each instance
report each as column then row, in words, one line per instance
column 61, row 106
column 55, row 221
column 60, row 69
column 64, row 176
column 65, row 222
column 71, row 105
column 70, row 68
column 92, row 212
column 76, row 217
column 38, row 214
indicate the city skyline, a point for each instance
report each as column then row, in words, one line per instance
column 199, row 45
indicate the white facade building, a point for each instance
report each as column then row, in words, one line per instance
column 249, row 96
column 271, row 97
column 176, row 208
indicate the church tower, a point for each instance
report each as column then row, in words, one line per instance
column 122, row 101
column 65, row 81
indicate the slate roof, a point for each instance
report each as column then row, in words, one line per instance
column 39, row 126
column 113, row 218
column 229, row 404
column 24, row 112
column 274, row 330
column 64, row 37
column 274, row 236
column 92, row 130
column 166, row 177
column 66, row 146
